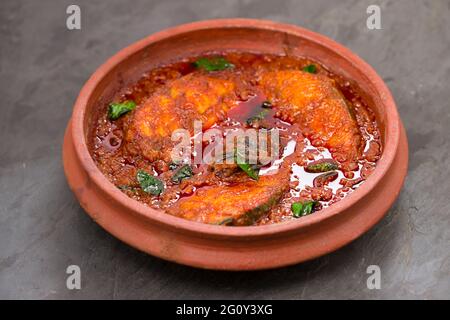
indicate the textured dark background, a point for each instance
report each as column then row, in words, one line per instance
column 43, row 229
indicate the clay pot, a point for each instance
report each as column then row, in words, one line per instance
column 222, row 247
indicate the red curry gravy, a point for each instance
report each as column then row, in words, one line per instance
column 117, row 146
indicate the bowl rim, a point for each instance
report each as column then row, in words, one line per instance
column 392, row 134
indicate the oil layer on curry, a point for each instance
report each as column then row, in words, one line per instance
column 329, row 140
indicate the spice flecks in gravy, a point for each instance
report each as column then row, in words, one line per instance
column 318, row 165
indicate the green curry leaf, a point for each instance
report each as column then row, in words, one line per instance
column 183, row 172
column 323, row 165
column 250, row 170
column 301, row 209
column 116, row 110
column 311, row 68
column 213, row 64
column 256, row 120
column 149, row 183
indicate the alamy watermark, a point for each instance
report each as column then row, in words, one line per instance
column 232, row 145
column 73, row 281
column 374, row 280
column 73, row 20
column 373, row 22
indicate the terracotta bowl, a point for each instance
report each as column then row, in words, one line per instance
column 221, row 247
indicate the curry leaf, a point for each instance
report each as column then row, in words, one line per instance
column 149, row 183
column 301, row 209
column 213, row 64
column 311, row 68
column 323, row 165
column 256, row 120
column 116, row 110
column 250, row 170
column 183, row 172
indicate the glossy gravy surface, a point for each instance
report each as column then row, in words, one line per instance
column 119, row 155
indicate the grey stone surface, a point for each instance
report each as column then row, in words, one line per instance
column 43, row 229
